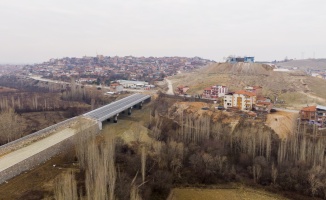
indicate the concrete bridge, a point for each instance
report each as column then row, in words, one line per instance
column 113, row 109
column 27, row 152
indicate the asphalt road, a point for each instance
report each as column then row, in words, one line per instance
column 287, row 110
column 116, row 107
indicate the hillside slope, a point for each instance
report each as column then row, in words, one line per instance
column 319, row 64
column 296, row 88
column 239, row 68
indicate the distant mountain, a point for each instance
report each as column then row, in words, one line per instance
column 316, row 64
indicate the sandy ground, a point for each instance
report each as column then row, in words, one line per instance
column 283, row 123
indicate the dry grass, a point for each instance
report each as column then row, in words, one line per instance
column 222, row 194
column 238, row 76
column 36, row 183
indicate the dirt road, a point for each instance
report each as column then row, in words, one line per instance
column 170, row 90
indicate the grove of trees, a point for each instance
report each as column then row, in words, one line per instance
column 197, row 151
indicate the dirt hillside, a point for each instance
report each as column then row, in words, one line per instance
column 283, row 123
column 295, row 88
column 239, row 68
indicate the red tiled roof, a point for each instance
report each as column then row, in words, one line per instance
column 244, row 92
column 261, row 99
column 309, row 108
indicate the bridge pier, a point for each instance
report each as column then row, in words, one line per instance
column 100, row 125
column 129, row 111
column 116, row 118
column 140, row 105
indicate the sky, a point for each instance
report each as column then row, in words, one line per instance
column 34, row 31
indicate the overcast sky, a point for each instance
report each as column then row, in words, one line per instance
column 37, row 30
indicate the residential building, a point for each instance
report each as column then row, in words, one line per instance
column 228, row 99
column 182, row 89
column 314, row 114
column 132, row 84
column 308, row 113
column 263, row 104
column 215, row 91
column 321, row 115
column 241, row 99
column 255, row 89
column 264, row 107
column 116, row 87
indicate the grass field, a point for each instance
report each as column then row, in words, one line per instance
column 222, row 194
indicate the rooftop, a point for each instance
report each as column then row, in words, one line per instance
column 244, row 92
column 309, row 108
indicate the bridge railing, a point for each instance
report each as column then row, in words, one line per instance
column 16, row 144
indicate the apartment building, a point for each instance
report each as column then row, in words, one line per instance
column 241, row 99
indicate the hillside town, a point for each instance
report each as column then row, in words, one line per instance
column 105, row 68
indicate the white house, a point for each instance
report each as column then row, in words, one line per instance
column 241, row 99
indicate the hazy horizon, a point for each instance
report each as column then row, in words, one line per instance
column 35, row 31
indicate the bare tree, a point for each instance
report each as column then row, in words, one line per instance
column 134, row 191
column 274, row 173
column 9, row 125
column 143, row 162
column 65, row 187
column 314, row 179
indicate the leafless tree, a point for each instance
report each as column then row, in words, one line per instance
column 65, row 186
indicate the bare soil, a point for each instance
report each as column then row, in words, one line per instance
column 283, row 123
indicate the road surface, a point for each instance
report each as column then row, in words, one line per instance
column 170, row 90
column 19, row 155
column 116, row 107
column 286, row 110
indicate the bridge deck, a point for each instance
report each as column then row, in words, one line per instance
column 116, row 107
column 19, row 155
